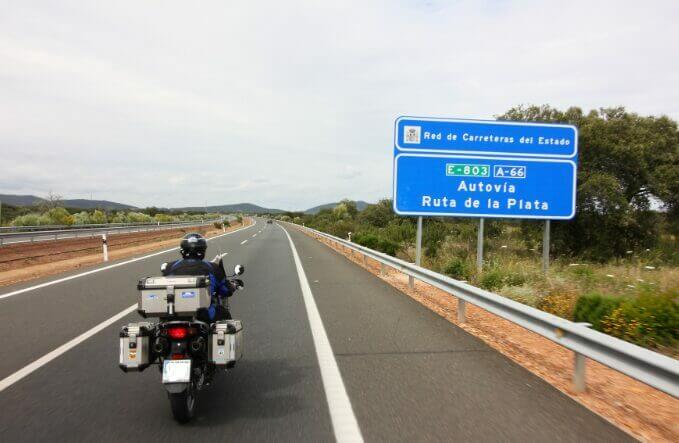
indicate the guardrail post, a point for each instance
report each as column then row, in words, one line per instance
column 579, row 366
column 461, row 310
column 105, row 246
column 365, row 260
column 418, row 251
column 382, row 269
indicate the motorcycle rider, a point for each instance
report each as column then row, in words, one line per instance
column 192, row 248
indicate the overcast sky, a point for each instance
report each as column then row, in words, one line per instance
column 291, row 104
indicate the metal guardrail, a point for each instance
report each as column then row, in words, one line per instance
column 651, row 368
column 25, row 229
column 71, row 232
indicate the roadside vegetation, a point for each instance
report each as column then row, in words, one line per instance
column 53, row 213
column 616, row 265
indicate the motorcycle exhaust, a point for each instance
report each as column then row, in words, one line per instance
column 160, row 346
column 198, row 344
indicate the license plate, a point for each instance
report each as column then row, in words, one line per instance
column 176, row 371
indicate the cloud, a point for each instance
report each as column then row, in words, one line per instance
column 291, row 104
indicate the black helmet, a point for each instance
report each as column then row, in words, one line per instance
column 193, row 245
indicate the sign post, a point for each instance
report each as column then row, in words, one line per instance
column 479, row 248
column 545, row 248
column 418, row 251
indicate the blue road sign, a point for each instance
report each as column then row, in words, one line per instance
column 476, row 186
column 479, row 137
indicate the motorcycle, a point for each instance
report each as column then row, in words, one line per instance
column 186, row 346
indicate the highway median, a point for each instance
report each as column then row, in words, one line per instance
column 28, row 261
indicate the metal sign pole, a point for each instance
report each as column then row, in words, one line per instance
column 479, row 247
column 418, row 251
column 545, row 247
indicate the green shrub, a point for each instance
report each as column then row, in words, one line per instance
column 218, row 225
column 375, row 242
column 458, row 269
column 388, row 247
column 98, row 217
column 515, row 279
column 59, row 216
column 647, row 319
column 31, row 219
column 493, row 279
column 163, row 218
column 594, row 307
column 82, row 218
column 368, row 240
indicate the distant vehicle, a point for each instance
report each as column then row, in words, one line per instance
column 269, row 221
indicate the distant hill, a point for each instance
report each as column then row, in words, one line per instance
column 20, row 200
column 360, row 205
column 96, row 204
column 247, row 208
column 30, row 200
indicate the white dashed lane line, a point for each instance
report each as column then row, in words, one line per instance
column 243, row 242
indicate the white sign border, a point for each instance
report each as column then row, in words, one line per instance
column 500, row 122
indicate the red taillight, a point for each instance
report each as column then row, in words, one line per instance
column 177, row 333
column 178, row 356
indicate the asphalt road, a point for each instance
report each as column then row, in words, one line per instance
column 408, row 374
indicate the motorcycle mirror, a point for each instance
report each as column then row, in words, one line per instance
column 239, row 269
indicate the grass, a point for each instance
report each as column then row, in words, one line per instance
column 514, row 270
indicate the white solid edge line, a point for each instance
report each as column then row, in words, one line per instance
column 26, row 370
column 342, row 415
column 94, row 271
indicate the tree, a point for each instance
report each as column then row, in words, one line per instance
column 352, row 210
column 82, row 218
column 52, row 201
column 378, row 215
column 98, row 217
column 626, row 161
column 59, row 216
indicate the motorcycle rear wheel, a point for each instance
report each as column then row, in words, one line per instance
column 183, row 404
